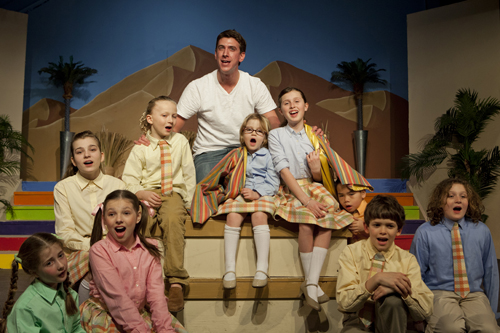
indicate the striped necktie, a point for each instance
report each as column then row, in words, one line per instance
column 459, row 270
column 367, row 313
column 166, row 168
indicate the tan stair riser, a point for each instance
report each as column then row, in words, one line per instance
column 204, row 258
column 276, row 316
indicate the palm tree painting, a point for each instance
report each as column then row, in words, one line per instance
column 357, row 74
column 456, row 131
column 11, row 142
column 67, row 75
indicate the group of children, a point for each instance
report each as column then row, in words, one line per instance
column 121, row 279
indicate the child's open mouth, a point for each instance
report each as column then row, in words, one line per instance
column 252, row 140
column 457, row 209
column 293, row 113
column 63, row 274
column 120, row 231
column 382, row 240
column 88, row 162
column 168, row 128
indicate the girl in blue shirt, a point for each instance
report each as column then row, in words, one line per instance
column 48, row 304
column 256, row 198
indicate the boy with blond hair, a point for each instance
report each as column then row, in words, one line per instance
column 163, row 174
column 379, row 284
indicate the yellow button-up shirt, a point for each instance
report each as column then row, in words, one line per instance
column 74, row 200
column 355, row 263
column 143, row 168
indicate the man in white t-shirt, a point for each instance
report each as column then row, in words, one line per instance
column 221, row 100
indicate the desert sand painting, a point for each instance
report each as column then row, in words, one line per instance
column 119, row 108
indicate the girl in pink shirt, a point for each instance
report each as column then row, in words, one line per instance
column 127, row 291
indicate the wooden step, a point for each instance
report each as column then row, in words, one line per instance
column 404, row 199
column 32, row 213
column 34, row 198
column 277, row 288
column 214, row 227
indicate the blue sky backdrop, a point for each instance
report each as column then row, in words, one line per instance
column 119, row 38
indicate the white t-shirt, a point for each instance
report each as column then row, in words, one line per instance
column 220, row 114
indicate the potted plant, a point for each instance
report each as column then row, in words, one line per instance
column 357, row 74
column 11, row 143
column 67, row 75
column 456, row 131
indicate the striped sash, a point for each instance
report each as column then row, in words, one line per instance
column 209, row 193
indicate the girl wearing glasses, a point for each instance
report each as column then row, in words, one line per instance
column 250, row 185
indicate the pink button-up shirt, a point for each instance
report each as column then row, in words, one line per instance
column 125, row 280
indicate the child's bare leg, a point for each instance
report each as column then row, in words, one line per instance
column 231, row 239
column 262, row 238
column 306, row 237
column 323, row 238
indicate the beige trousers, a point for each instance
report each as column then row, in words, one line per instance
column 454, row 314
column 168, row 224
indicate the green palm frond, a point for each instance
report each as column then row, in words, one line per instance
column 457, row 130
column 7, row 206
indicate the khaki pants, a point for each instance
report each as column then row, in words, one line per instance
column 455, row 314
column 168, row 224
column 391, row 316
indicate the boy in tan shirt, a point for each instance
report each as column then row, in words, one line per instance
column 379, row 284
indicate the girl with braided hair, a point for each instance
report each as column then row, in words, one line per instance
column 48, row 304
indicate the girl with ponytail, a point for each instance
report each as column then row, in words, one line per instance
column 48, row 304
column 126, row 270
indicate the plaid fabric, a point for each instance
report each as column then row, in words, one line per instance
column 346, row 174
column 166, row 168
column 95, row 318
column 266, row 204
column 210, row 193
column 459, row 270
column 292, row 210
column 367, row 313
column 78, row 265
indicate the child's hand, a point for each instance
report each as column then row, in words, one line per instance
column 381, row 291
column 142, row 141
column 318, row 131
column 249, row 194
column 314, row 162
column 357, row 227
column 151, row 197
column 318, row 209
column 399, row 282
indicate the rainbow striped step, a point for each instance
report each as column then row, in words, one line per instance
column 37, row 198
column 31, row 213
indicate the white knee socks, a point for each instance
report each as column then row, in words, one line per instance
column 262, row 237
column 231, row 239
column 312, row 263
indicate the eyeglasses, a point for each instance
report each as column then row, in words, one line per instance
column 249, row 130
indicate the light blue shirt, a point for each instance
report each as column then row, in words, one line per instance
column 261, row 175
column 43, row 309
column 289, row 149
column 432, row 247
